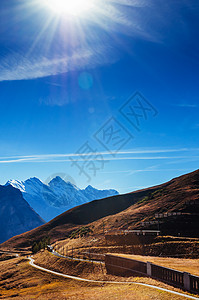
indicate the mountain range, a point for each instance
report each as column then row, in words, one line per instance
column 16, row 215
column 52, row 199
column 177, row 201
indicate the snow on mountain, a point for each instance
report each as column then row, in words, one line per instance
column 17, row 184
column 68, row 193
column 50, row 200
column 91, row 193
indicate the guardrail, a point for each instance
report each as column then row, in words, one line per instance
column 194, row 284
column 168, row 275
column 123, row 266
column 118, row 265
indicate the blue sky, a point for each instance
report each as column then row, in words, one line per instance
column 64, row 80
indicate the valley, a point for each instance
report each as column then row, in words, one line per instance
column 19, row 280
column 157, row 225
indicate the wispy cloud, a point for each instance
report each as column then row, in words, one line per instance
column 133, row 3
column 149, row 169
column 105, row 156
column 125, row 17
column 17, row 67
column 186, row 105
column 89, row 49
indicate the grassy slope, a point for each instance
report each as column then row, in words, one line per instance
column 21, row 281
column 166, row 246
column 114, row 212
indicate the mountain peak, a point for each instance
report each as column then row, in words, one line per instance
column 56, row 179
column 52, row 199
column 34, row 179
column 90, row 187
column 16, row 184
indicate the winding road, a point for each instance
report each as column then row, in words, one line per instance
column 31, row 262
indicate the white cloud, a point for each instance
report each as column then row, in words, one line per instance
column 186, row 105
column 106, row 156
column 94, row 49
column 18, row 67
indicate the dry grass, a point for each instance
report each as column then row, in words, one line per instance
column 6, row 256
column 89, row 270
column 114, row 211
column 21, row 281
column 82, row 242
column 164, row 246
column 180, row 264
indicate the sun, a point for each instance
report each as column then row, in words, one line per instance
column 71, row 7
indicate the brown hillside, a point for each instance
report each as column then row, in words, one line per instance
column 181, row 194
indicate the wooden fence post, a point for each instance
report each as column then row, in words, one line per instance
column 186, row 280
column 149, row 273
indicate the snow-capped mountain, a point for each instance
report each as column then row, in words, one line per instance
column 50, row 200
column 93, row 194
